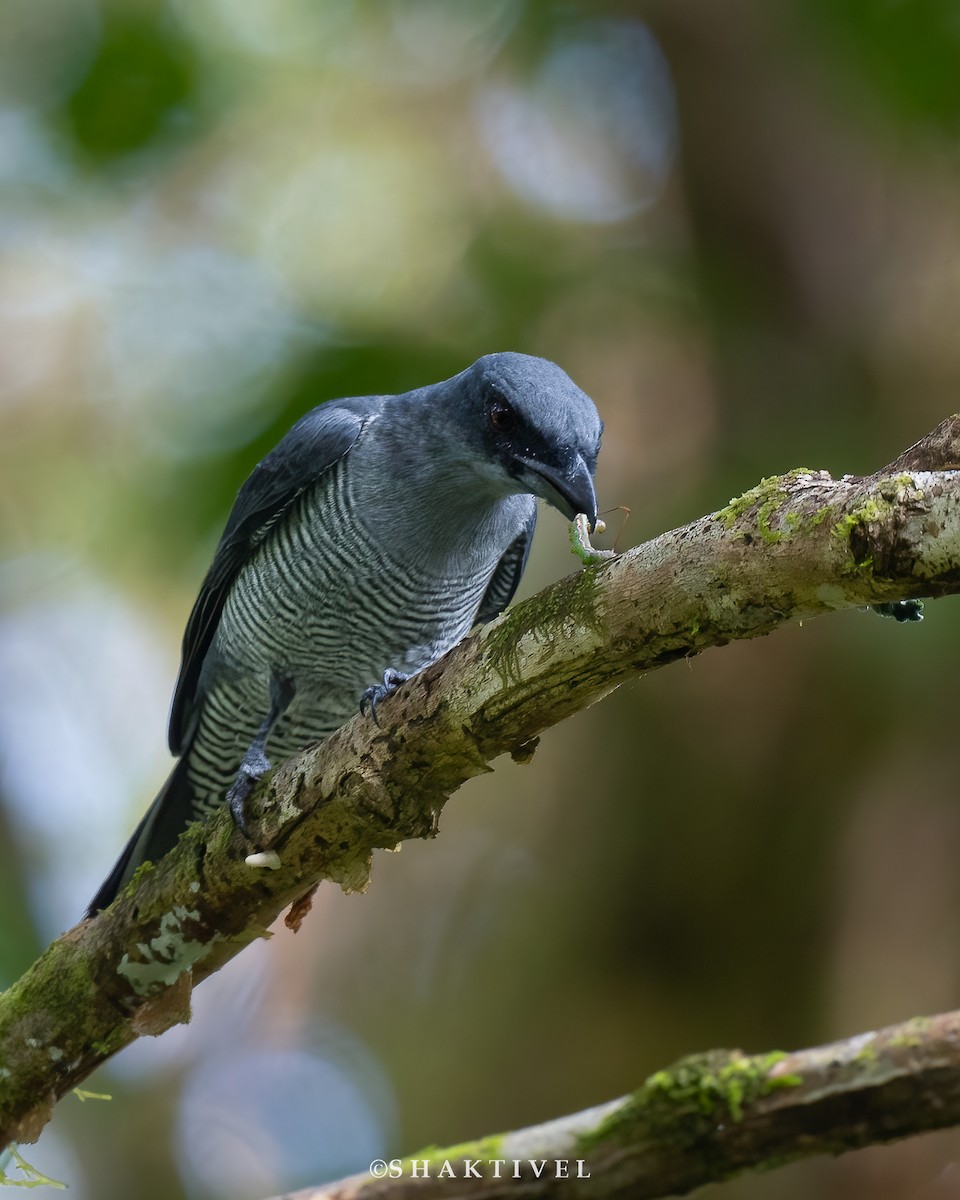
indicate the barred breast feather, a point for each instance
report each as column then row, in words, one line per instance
column 329, row 601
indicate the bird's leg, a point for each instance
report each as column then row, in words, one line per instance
column 255, row 762
column 380, row 691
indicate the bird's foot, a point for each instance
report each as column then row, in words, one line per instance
column 254, row 766
column 900, row 610
column 380, row 691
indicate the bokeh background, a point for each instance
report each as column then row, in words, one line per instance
column 737, row 226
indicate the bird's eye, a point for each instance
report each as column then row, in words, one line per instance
column 502, row 416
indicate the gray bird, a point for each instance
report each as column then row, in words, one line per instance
column 361, row 549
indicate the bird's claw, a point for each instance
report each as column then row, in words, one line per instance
column 380, row 691
column 900, row 610
column 251, row 770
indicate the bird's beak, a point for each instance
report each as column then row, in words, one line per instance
column 571, row 490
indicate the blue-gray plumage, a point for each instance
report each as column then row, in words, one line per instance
column 361, row 549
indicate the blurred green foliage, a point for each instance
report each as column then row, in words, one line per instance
column 905, row 53
column 138, row 88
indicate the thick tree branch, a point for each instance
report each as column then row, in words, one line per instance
column 704, row 1119
column 793, row 547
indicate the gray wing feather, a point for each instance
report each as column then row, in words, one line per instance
column 313, row 445
column 506, row 578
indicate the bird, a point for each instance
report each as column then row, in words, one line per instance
column 363, row 547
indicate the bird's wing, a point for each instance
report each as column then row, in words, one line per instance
column 505, row 579
column 313, row 445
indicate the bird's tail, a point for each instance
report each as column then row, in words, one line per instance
column 165, row 820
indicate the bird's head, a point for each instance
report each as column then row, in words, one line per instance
column 535, row 430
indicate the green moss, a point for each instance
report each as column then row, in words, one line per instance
column 871, row 512
column 115, row 1040
column 875, row 509
column 485, row 1149
column 913, row 1033
column 678, row 1106
column 764, row 513
column 570, row 603
column 766, row 491
column 137, row 878
column 66, row 987
column 764, row 500
column 866, row 1054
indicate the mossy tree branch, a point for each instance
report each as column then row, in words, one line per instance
column 794, row 547
column 702, row 1120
